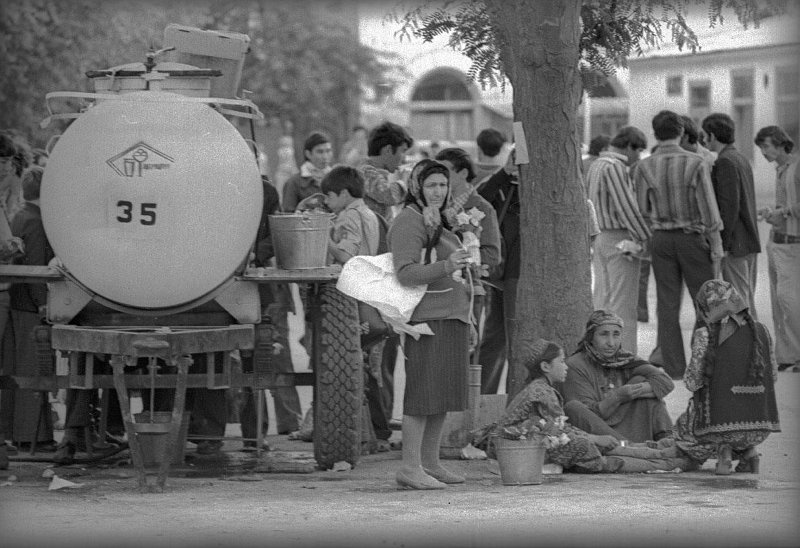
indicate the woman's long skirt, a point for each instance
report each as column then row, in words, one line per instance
column 436, row 369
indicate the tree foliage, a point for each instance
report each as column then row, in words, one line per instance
column 613, row 30
column 305, row 66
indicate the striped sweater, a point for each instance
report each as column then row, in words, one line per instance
column 674, row 191
column 611, row 193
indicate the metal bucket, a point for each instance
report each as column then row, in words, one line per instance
column 300, row 240
column 154, row 444
column 520, row 461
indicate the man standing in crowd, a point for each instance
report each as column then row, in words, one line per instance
column 616, row 268
column 783, row 246
column 674, row 192
column 386, row 149
column 692, row 141
column 27, row 302
column 318, row 154
column 490, row 154
column 502, row 191
column 596, row 146
column 734, row 189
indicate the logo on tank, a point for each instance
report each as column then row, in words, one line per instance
column 138, row 160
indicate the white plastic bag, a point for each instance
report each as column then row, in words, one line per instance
column 371, row 279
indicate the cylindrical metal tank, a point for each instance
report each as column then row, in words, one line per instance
column 151, row 200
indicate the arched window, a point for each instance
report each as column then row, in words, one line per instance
column 442, row 86
column 443, row 106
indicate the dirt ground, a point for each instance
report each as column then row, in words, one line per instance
column 234, row 500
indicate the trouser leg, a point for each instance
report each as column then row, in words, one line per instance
column 784, row 271
column 388, row 363
column 582, row 417
column 642, row 313
column 621, row 280
column 669, row 290
column 738, row 272
column 493, row 344
column 288, row 414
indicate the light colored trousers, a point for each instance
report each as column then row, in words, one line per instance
column 740, row 272
column 784, row 289
column 616, row 283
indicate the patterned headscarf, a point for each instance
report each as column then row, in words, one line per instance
column 432, row 216
column 718, row 300
column 535, row 357
column 622, row 359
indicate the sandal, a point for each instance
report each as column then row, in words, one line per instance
column 724, row 457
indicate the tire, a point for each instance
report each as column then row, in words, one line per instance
column 339, row 388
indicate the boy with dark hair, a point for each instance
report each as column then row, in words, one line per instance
column 318, row 155
column 386, row 146
column 355, row 227
column 357, row 231
column 732, row 177
column 783, row 245
column 667, row 125
column 674, row 193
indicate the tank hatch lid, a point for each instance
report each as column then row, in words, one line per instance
column 166, row 67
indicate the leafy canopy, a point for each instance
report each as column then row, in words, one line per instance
column 613, row 30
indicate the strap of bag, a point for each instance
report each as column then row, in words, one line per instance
column 505, row 205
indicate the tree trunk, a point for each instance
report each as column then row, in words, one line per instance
column 539, row 49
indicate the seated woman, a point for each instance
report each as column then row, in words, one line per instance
column 539, row 406
column 732, row 373
column 611, row 391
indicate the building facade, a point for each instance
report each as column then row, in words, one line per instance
column 751, row 74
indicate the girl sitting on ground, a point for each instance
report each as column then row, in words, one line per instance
column 539, row 406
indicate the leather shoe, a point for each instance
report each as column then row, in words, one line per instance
column 421, row 481
column 444, row 475
column 65, row 453
column 750, row 462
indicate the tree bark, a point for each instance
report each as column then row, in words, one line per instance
column 539, row 50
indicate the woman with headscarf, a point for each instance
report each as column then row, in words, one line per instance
column 426, row 251
column 731, row 373
column 539, row 407
column 611, row 391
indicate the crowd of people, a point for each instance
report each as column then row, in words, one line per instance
column 452, row 223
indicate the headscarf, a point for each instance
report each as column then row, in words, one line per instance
column 717, row 301
column 622, row 359
column 537, row 351
column 432, row 216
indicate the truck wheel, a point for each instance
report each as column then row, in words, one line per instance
column 339, row 389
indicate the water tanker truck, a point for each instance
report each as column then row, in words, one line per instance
column 151, row 201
